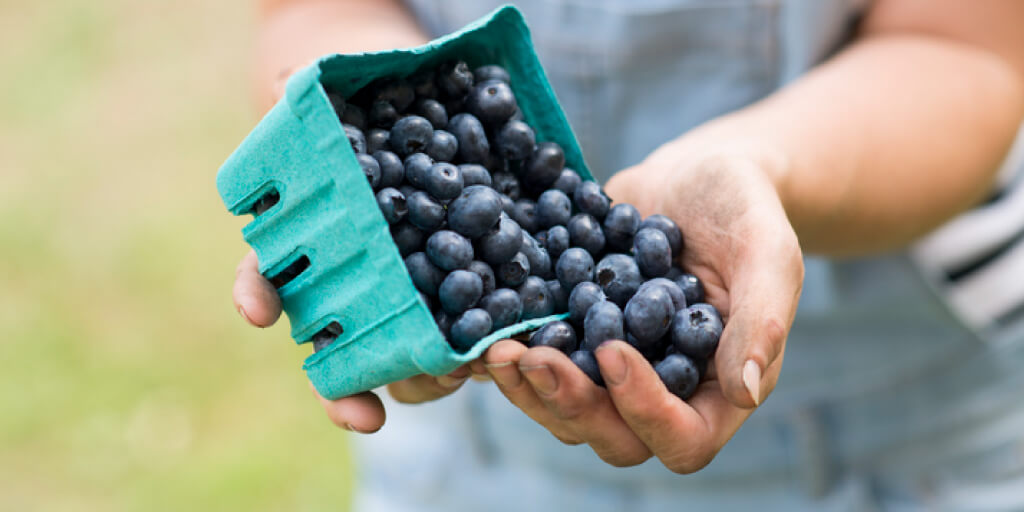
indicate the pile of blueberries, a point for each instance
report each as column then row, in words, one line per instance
column 495, row 229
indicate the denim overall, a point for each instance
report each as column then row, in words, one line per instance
column 887, row 401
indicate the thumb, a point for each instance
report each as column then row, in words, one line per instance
column 763, row 296
column 627, row 186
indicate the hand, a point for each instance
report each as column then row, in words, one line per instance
column 258, row 303
column 741, row 245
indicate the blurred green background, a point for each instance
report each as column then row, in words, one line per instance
column 128, row 380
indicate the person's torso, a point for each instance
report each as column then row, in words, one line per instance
column 876, row 360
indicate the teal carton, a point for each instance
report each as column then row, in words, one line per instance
column 325, row 228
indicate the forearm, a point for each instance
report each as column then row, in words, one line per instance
column 294, row 32
column 882, row 143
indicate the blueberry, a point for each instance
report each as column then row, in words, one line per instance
column 543, row 166
column 507, row 184
column 679, row 374
column 619, row 277
column 473, row 145
column 553, row 208
column 486, row 275
column 443, row 146
column 370, row 168
column 602, row 323
column 383, row 115
column 620, row 225
column 354, row 116
column 444, row 322
column 356, row 139
column 423, row 85
column 491, row 72
column 513, row 272
column 411, row 134
column 585, row 232
column 398, row 93
column 508, row 206
column 376, row 140
column 449, row 250
column 540, row 261
column 652, row 352
column 407, row 190
column 443, row 181
column 426, row 300
column 502, row 242
column 515, row 140
column 322, row 339
column 454, row 79
column 504, row 306
column 525, row 214
column 475, row 211
column 392, row 171
column 568, row 181
column 556, row 241
column 669, row 228
column 583, row 296
column 392, row 204
column 433, row 111
column 648, row 314
column 586, row 362
column 416, row 167
column 453, row 105
column 459, row 291
column 702, row 366
column 475, row 174
column 652, row 252
column 558, row 335
column 589, row 198
column 408, row 238
column 424, row 212
column 574, row 266
column 425, row 276
column 558, row 294
column 491, row 102
column 470, row 328
column 537, row 302
column 692, row 288
column 696, row 330
column 494, row 163
column 677, row 295
column 337, row 103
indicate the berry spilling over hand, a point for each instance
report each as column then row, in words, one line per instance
column 496, row 230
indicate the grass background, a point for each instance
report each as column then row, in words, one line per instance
column 127, row 380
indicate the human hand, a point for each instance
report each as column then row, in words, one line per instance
column 741, row 245
column 258, row 303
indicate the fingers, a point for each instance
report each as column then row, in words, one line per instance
column 363, row 413
column 763, row 296
column 424, row 388
column 682, row 436
column 581, row 406
column 255, row 298
column 502, row 362
column 628, row 186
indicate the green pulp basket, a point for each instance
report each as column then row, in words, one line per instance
column 327, row 219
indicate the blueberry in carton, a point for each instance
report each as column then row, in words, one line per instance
column 318, row 232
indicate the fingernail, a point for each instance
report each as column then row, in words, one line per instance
column 447, row 381
column 352, row 428
column 241, row 311
column 504, row 373
column 541, row 377
column 752, row 380
column 613, row 364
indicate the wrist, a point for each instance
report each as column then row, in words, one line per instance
column 723, row 140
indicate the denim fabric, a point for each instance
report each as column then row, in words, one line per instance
column 885, row 402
